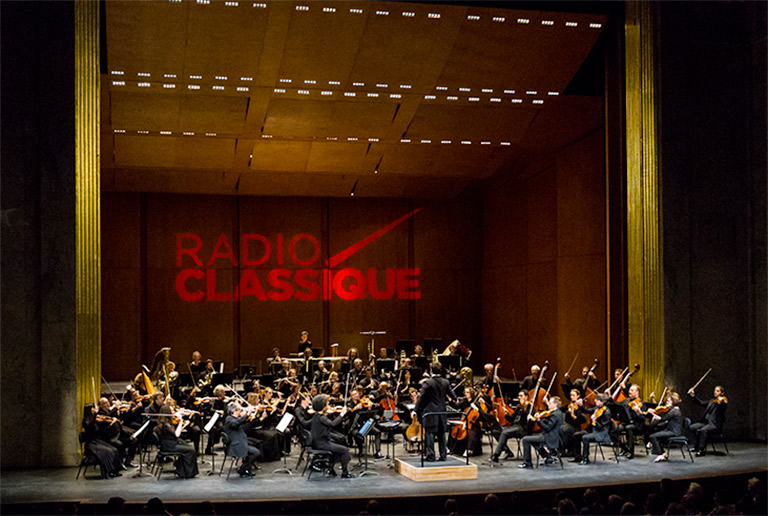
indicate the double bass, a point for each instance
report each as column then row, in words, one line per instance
column 500, row 407
column 536, row 395
column 618, row 395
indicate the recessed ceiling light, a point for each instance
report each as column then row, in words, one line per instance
column 242, row 88
column 118, row 83
column 356, row 11
column 266, row 136
column 506, row 144
column 499, row 19
column 509, row 92
column 231, row 4
column 358, row 84
column 553, row 93
column 309, row 81
column 188, row 133
column 452, row 97
column 351, row 139
column 429, row 97
column 246, row 78
column 394, row 95
column 441, row 88
column 595, row 25
column 426, row 141
column 433, row 15
column 405, row 86
column 302, row 8
column 260, row 5
column 169, row 75
column 409, row 14
column 169, row 86
column 165, row 132
column 531, row 92
column 119, row 131
column 193, row 86
column 326, row 92
column 523, row 20
column 143, row 74
column 465, row 89
column 334, row 83
column 349, row 93
column 537, row 101
column 285, row 80
column 381, row 85
column 303, row 92
column 571, row 24
column 143, row 132
column 373, row 94
column 220, row 88
column 195, row 76
column 221, row 77
column 373, row 139
column 495, row 99
column 382, row 13
column 144, row 85
column 117, row 72
column 279, row 90
column 485, row 143
column 329, row 9
column 516, row 101
column 210, row 134
column 487, row 90
column 473, row 17
column 405, row 140
column 547, row 22
column 466, row 142
column 445, row 142
column 474, row 99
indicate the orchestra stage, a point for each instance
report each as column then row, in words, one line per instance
column 45, row 486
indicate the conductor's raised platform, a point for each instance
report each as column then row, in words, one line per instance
column 450, row 469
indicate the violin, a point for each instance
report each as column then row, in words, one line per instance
column 720, row 399
column 636, row 404
column 596, row 415
column 543, row 415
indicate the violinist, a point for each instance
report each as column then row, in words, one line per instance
column 111, row 431
column 669, row 418
column 631, row 418
column 219, row 406
column 191, row 420
column 354, row 404
column 518, row 427
column 106, row 454
column 548, row 442
column 574, row 420
column 239, row 446
column 432, row 398
column 321, row 435
column 598, row 430
column 712, row 421
column 169, row 430
column 263, row 428
column 326, row 386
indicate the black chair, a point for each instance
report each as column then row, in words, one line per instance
column 719, row 435
column 681, row 441
column 228, row 455
column 86, row 457
column 160, row 460
column 317, row 460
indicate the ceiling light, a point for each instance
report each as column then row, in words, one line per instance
column 303, row 92
column 505, row 144
column 169, row 75
column 485, row 143
column 231, row 4
column 409, row 14
column 279, row 90
column 474, row 99
column 246, row 78
column 499, row 19
column 433, row 15
column 394, row 95
column 356, row 11
column 143, row 74
column 373, row 94
column 118, row 83
column 195, row 76
column 188, row 133
column 426, row 141
column 169, row 86
column 334, row 83
column 308, row 81
column 358, row 84
column 221, row 77
column 429, row 97
column 445, row 142
column 465, row 89
column 352, row 193
column 144, row 85
column 452, row 97
column 571, row 24
column 302, row 8
column 509, row 92
column 117, row 72
column 516, row 101
column 205, row 2
column 175, row 1
column 351, row 139
column 405, row 140
column 495, row 99
column 537, row 101
column 382, row 13
column 441, row 88
column 382, row 85
column 405, row 86
column 349, row 93
column 373, row 139
column 242, row 88
column 143, row 132
column 210, row 134
column 266, row 136
column 329, row 9
column 326, row 92
column 193, row 86
column 120, row 131
column 165, row 132
column 487, row 90
column 472, row 17
column 595, row 25
column 547, row 22
column 260, row 6
column 332, row 138
column 217, row 87
column 553, row 93
column 523, row 20
column 466, row 142
column 285, row 80
column 531, row 92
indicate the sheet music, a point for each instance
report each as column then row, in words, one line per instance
column 211, row 422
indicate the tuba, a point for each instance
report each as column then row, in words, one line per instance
column 466, row 376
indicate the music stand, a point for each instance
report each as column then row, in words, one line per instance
column 431, row 344
column 282, row 428
column 385, row 364
column 136, row 435
column 363, row 433
column 450, row 362
column 406, row 345
column 207, row 429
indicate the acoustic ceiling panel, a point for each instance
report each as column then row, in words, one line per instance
column 280, row 156
column 175, row 152
column 473, row 123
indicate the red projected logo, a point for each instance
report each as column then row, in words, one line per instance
column 282, row 284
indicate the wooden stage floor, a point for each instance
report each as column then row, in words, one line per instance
column 59, row 485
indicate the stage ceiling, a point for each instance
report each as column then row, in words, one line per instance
column 389, row 99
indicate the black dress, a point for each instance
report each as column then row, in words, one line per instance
column 186, row 466
column 106, row 454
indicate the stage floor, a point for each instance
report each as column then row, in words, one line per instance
column 59, row 485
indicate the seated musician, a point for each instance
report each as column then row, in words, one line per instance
column 326, row 386
column 574, row 419
column 622, row 387
column 321, row 435
column 598, row 430
column 196, row 367
column 169, row 433
column 217, row 406
column 106, row 455
column 669, row 424
column 354, row 405
column 236, row 420
column 548, row 442
column 274, row 362
column 631, row 416
column 321, row 374
column 282, row 373
column 591, row 380
column 262, row 432
column 489, row 380
column 348, row 363
column 518, row 427
column 286, row 384
column 475, row 407
column 356, row 374
column 368, row 382
column 529, row 382
column 111, row 431
column 712, row 421
column 418, row 351
column 192, row 430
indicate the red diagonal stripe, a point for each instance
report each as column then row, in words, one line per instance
column 333, row 261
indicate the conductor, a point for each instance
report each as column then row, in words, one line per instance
column 432, row 399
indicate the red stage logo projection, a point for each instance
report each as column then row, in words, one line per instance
column 281, row 284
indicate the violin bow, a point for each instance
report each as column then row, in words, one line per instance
column 701, row 379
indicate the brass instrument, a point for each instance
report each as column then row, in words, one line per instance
column 467, row 376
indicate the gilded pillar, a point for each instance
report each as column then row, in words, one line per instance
column 644, row 232
column 88, row 199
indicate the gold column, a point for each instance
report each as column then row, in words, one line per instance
column 88, row 199
column 644, row 243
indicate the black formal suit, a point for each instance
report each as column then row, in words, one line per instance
column 598, row 431
column 238, row 442
column 322, row 439
column 549, row 438
column 432, row 397
column 713, row 420
column 672, row 420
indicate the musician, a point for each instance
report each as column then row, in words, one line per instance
column 573, row 420
column 518, row 427
column 368, row 383
column 598, row 431
column 262, row 431
column 354, row 404
column 302, row 414
column 304, row 342
column 158, row 400
column 111, row 431
column 546, row 443
column 131, row 417
column 192, row 430
column 631, row 418
column 474, row 404
column 282, row 373
column 321, row 435
column 238, row 441
column 591, row 380
column 432, row 398
column 670, row 421
column 489, row 380
column 286, row 384
column 106, row 455
column 418, row 351
column 196, row 367
column 529, row 382
column 712, row 421
column 618, row 373
column 321, row 373
column 169, row 433
column 325, row 386
column 356, row 374
column 219, row 406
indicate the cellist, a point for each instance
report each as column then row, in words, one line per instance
column 518, row 427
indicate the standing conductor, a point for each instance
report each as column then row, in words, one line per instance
column 432, row 399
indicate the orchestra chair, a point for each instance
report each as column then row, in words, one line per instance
column 86, row 457
column 555, row 454
column 681, row 441
column 719, row 435
column 612, row 442
column 316, row 459
column 161, row 456
column 229, row 455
